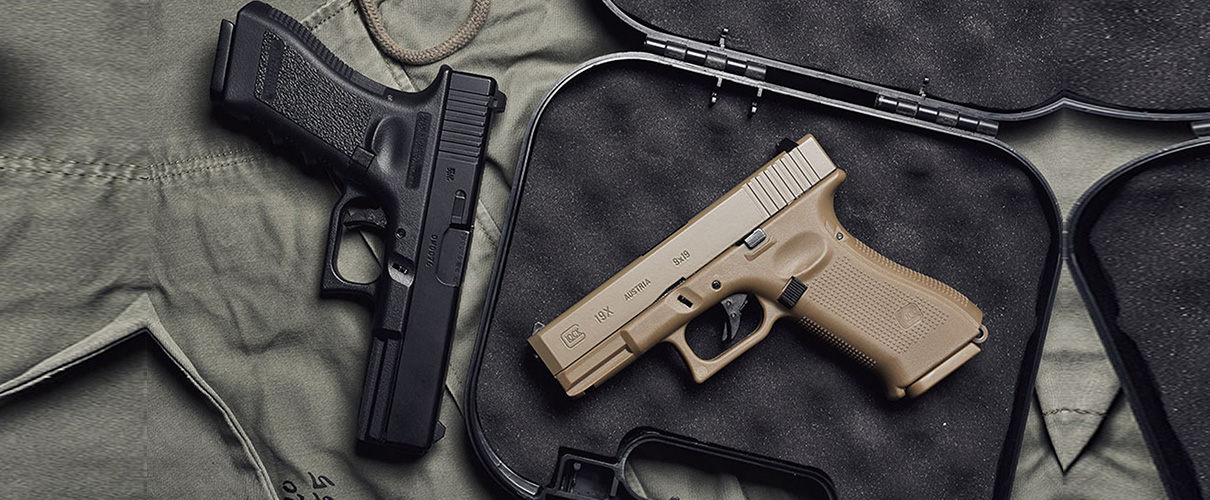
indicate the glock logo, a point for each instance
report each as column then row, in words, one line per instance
column 572, row 336
column 909, row 315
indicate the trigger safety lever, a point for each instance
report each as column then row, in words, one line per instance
column 733, row 305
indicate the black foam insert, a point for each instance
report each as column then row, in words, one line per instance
column 991, row 54
column 1146, row 242
column 629, row 150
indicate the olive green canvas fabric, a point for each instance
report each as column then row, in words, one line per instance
column 161, row 332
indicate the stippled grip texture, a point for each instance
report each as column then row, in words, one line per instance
column 286, row 82
column 910, row 274
column 844, row 347
column 908, row 327
column 892, row 316
column 273, row 74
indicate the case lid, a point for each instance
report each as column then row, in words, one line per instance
column 1000, row 56
column 1138, row 241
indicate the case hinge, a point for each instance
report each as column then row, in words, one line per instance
column 716, row 59
column 908, row 107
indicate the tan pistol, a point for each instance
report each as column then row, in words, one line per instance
column 774, row 236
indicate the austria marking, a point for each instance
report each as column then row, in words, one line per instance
column 634, row 291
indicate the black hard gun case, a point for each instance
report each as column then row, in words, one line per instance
column 908, row 98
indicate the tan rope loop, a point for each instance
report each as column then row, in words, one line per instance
column 373, row 21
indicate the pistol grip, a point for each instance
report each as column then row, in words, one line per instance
column 271, row 72
column 331, row 282
column 909, row 328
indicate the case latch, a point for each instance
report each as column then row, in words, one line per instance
column 908, row 107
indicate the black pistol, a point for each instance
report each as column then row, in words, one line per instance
column 408, row 165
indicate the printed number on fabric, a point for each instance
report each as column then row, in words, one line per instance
column 317, row 483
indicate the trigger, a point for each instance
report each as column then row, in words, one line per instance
column 733, row 305
column 364, row 218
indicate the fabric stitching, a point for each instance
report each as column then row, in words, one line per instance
column 495, row 234
column 125, row 165
column 1080, row 411
column 330, row 16
column 202, row 169
column 129, row 178
column 61, row 173
column 28, row 379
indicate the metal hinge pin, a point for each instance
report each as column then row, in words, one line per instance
column 934, row 114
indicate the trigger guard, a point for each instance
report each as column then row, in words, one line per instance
column 697, row 366
column 772, row 312
column 703, row 369
column 331, row 282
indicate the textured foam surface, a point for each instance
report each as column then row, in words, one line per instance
column 629, row 151
column 1001, row 55
column 1151, row 241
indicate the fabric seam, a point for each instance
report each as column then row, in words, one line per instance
column 153, row 328
column 1080, row 411
column 125, row 165
column 333, row 14
column 140, row 178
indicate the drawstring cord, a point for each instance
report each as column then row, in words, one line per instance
column 373, row 21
